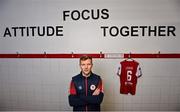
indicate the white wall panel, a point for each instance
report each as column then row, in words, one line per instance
column 42, row 84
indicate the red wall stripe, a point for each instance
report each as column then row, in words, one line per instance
column 93, row 55
column 152, row 55
column 49, row 55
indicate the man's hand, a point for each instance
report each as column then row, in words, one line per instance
column 96, row 92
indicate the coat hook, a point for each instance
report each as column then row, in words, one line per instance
column 45, row 54
column 158, row 55
column 100, row 54
column 72, row 55
column 18, row 55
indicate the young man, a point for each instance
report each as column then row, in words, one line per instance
column 86, row 88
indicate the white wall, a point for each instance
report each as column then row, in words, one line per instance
column 42, row 84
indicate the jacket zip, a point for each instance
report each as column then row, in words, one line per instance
column 86, row 84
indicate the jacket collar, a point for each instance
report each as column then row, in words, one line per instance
column 83, row 75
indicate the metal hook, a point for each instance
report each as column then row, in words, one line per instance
column 158, row 55
column 100, row 54
column 72, row 54
column 45, row 54
column 18, row 55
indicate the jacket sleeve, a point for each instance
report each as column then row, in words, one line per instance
column 95, row 99
column 74, row 99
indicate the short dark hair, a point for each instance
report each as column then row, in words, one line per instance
column 84, row 57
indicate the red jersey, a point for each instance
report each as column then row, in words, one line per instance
column 129, row 71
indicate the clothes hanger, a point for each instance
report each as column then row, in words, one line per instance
column 129, row 57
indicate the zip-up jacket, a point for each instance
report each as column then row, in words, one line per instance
column 81, row 93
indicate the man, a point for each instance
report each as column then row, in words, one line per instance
column 86, row 88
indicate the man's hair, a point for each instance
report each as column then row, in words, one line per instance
column 84, row 57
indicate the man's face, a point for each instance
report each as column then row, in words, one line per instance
column 86, row 66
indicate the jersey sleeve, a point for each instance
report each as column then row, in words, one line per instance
column 118, row 72
column 139, row 72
